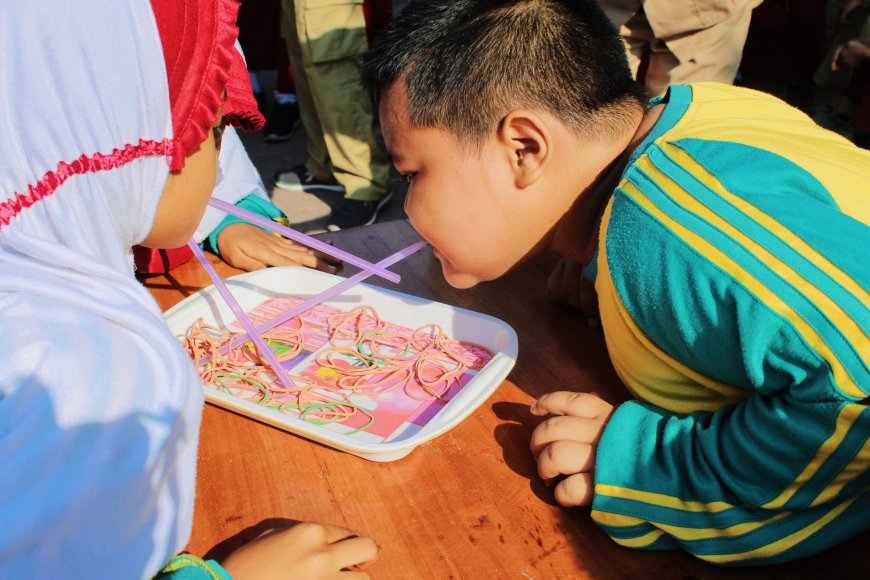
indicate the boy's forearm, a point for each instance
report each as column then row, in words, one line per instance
column 722, row 488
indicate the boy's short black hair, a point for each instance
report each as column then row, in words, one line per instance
column 467, row 63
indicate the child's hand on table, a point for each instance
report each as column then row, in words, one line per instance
column 566, row 444
column 308, row 550
column 250, row 248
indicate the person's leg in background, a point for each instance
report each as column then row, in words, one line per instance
column 285, row 113
column 325, row 41
column 259, row 23
column 716, row 53
column 636, row 35
column 675, row 52
column 258, row 31
column 316, row 170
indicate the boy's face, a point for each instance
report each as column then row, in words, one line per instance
column 466, row 203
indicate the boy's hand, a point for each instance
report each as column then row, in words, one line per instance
column 569, row 286
column 308, row 550
column 567, row 443
column 250, row 248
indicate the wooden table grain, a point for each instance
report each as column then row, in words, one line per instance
column 467, row 504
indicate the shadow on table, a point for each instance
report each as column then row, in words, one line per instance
column 513, row 437
column 225, row 547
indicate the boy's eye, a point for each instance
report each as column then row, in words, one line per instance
column 408, row 177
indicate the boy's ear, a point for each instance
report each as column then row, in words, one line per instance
column 527, row 141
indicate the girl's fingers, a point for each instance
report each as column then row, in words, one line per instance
column 565, row 458
column 293, row 254
column 293, row 246
column 289, row 257
column 273, row 254
column 578, row 429
column 575, row 490
column 356, row 551
column 571, row 403
column 325, row 267
column 244, row 261
column 336, row 533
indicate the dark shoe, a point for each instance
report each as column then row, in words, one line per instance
column 300, row 179
column 282, row 122
column 352, row 213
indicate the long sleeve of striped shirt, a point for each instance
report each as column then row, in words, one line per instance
column 733, row 276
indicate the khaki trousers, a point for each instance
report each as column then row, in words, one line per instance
column 714, row 54
column 325, row 40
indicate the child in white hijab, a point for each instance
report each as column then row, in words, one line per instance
column 241, row 244
column 111, row 112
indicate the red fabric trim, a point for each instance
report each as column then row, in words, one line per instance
column 49, row 182
column 154, row 261
column 198, row 39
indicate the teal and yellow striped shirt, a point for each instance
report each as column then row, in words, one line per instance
column 733, row 277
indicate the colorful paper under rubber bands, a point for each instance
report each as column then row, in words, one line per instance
column 240, row 314
column 351, row 370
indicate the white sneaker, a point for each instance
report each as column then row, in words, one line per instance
column 300, row 179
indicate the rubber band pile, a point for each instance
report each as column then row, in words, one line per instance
column 365, row 357
column 360, row 356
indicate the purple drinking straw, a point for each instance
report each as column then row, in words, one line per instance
column 325, row 295
column 304, row 239
column 242, row 317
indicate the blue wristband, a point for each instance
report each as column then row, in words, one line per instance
column 251, row 202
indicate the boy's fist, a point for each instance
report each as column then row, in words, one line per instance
column 566, row 443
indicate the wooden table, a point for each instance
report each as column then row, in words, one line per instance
column 467, row 504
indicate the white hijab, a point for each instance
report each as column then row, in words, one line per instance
column 99, row 407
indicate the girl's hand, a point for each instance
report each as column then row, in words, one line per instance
column 566, row 444
column 308, row 550
column 249, row 248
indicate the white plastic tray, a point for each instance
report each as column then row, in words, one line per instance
column 253, row 288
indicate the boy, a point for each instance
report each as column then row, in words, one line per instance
column 727, row 236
